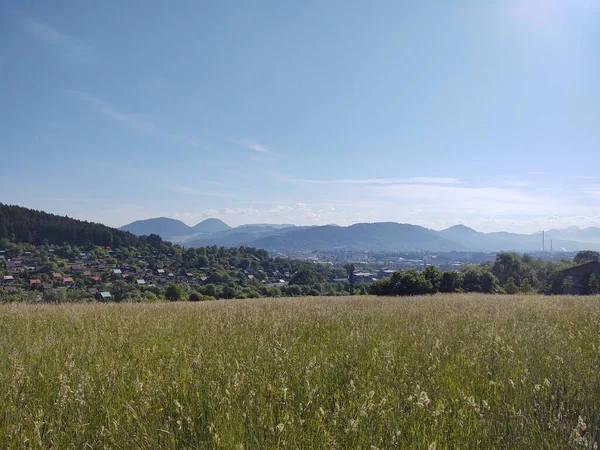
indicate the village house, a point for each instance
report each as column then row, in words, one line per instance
column 581, row 276
column 363, row 277
column 104, row 296
column 14, row 263
column 339, row 280
column 383, row 273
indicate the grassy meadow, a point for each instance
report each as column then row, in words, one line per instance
column 448, row 371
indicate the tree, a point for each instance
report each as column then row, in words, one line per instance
column 175, row 292
column 412, row 282
column 120, row 290
column 586, row 256
column 434, row 276
column 219, row 277
column 567, row 285
column 305, row 277
column 451, row 282
column 210, row 290
column 350, row 268
column 489, row 283
column 593, row 284
column 472, row 281
column 510, row 287
column 507, row 265
column 229, row 291
column 381, row 287
column 526, row 286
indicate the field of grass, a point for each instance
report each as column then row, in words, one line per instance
column 424, row 372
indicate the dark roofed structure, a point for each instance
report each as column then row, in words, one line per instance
column 581, row 276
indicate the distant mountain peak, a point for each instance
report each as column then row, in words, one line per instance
column 211, row 225
column 460, row 228
column 163, row 226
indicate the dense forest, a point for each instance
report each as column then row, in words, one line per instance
column 25, row 225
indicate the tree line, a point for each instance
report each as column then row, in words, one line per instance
column 24, row 225
column 510, row 273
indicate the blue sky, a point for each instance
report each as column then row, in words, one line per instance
column 434, row 113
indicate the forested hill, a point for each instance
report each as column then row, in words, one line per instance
column 25, row 225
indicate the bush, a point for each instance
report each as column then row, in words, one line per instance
column 175, row 292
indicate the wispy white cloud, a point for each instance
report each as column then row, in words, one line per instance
column 443, row 199
column 133, row 122
column 239, row 211
column 253, row 145
column 281, row 209
column 69, row 45
column 298, row 213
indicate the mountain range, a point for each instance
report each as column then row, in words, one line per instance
column 386, row 236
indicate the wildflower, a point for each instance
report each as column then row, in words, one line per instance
column 472, row 403
column 423, row 401
column 578, row 436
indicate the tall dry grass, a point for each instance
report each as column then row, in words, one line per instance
column 461, row 371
